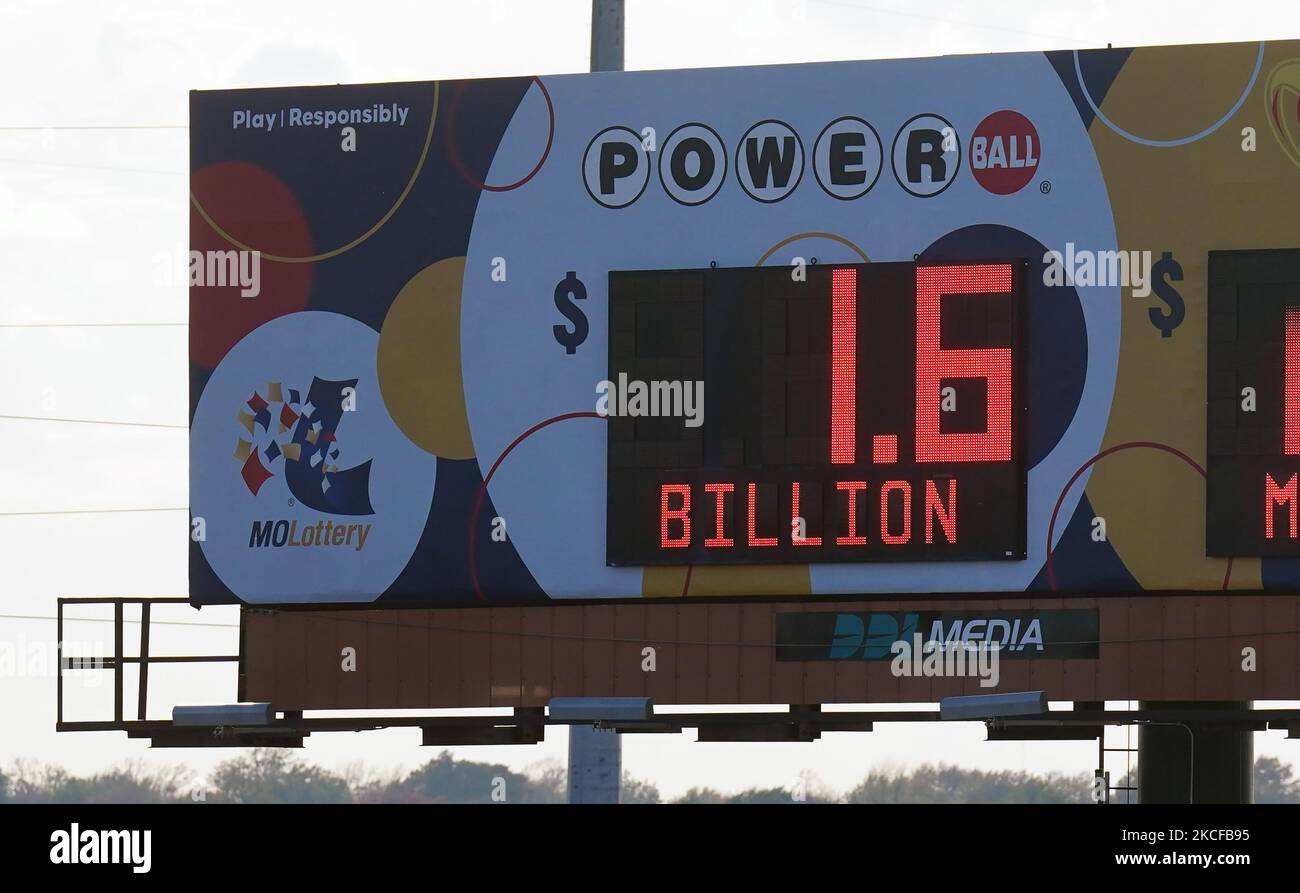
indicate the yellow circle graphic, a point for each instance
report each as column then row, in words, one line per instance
column 419, row 361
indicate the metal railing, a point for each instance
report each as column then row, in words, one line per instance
column 119, row 660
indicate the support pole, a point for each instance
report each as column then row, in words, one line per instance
column 595, row 764
column 118, row 652
column 1195, row 762
column 141, row 707
column 606, row 35
column 595, row 755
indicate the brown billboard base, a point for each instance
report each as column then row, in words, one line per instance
column 1186, row 647
column 836, row 635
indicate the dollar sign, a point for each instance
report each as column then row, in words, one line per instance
column 1169, row 267
column 569, row 288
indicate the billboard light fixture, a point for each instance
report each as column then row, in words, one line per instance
column 257, row 714
column 1019, row 703
column 601, row 709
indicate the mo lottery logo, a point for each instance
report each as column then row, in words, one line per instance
column 309, row 454
column 318, row 461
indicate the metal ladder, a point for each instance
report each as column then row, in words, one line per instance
column 1102, row 788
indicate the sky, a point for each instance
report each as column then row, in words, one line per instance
column 93, row 308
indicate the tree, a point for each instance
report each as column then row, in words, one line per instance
column 634, row 790
column 762, row 795
column 1275, row 782
column 445, row 779
column 272, row 775
column 952, row 784
column 130, row 783
column 701, row 795
column 279, row 776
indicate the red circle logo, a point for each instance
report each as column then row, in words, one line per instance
column 1004, row 152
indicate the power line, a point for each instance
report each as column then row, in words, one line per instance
column 110, row 620
column 650, row 640
column 90, row 325
column 37, row 418
column 90, row 512
column 644, row 640
column 40, row 128
column 93, row 167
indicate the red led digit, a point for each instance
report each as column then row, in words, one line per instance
column 1291, row 389
column 935, row 509
column 895, row 539
column 1275, row 495
column 682, row 514
column 718, row 541
column 884, row 449
column 853, row 487
column 844, row 362
column 754, row 538
column 795, row 518
column 934, row 364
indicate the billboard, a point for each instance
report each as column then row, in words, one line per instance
column 945, row 325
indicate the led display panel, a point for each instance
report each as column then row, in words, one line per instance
column 1253, row 411
column 859, row 412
